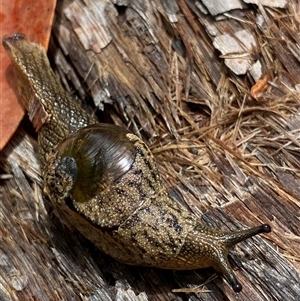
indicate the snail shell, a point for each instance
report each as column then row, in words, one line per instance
column 104, row 180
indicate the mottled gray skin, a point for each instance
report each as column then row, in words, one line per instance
column 120, row 204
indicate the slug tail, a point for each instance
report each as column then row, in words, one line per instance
column 51, row 109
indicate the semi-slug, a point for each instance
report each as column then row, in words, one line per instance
column 105, row 181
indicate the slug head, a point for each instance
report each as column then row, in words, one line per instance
column 205, row 247
column 229, row 240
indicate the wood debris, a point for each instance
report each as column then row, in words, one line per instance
column 215, row 93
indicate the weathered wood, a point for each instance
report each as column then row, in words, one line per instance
column 231, row 159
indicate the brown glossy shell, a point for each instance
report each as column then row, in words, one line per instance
column 102, row 153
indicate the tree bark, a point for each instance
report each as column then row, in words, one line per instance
column 213, row 90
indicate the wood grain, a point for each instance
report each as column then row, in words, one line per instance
column 231, row 159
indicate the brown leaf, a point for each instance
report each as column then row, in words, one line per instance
column 34, row 19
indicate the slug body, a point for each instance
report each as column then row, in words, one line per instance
column 105, row 181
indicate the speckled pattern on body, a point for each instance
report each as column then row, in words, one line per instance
column 105, row 181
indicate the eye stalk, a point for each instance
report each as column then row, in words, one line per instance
column 230, row 240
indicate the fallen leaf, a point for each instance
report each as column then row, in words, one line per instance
column 34, row 19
